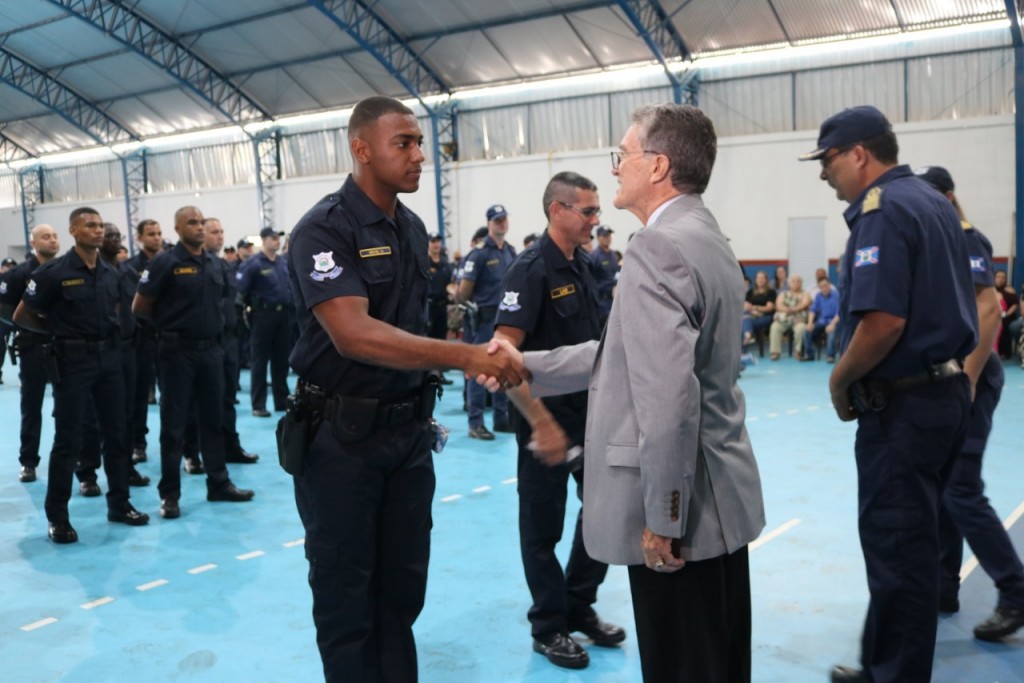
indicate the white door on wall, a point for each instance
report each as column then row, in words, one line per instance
column 807, row 250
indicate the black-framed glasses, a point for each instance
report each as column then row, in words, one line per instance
column 826, row 160
column 617, row 156
column 586, row 211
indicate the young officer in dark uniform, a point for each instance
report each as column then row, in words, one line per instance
column 74, row 297
column 30, row 346
column 901, row 377
column 441, row 272
column 966, row 512
column 263, row 282
column 358, row 268
column 605, row 263
column 182, row 293
column 550, row 299
column 481, row 283
column 150, row 240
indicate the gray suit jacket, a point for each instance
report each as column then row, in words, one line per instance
column 666, row 446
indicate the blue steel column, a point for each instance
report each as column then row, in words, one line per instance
column 655, row 27
column 267, row 148
column 31, row 182
column 1018, row 130
column 136, row 183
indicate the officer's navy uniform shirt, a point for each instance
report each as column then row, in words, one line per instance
column 905, row 240
column 606, row 267
column 127, row 283
column 14, row 281
column 554, row 301
column 264, row 281
column 486, row 267
column 189, row 290
column 78, row 303
column 347, row 246
column 440, row 277
column 230, row 292
column 992, row 379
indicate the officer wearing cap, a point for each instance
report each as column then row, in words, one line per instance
column 549, row 299
column 358, row 268
column 529, row 239
column 149, row 237
column 182, row 293
column 605, row 264
column 966, row 512
column 900, row 376
column 74, row 298
column 481, row 284
column 263, row 282
column 441, row 273
column 30, row 346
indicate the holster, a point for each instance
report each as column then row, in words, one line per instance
column 869, row 395
column 295, row 431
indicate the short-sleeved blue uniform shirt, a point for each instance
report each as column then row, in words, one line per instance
column 347, row 246
column 79, row 302
column 188, row 292
column 14, row 281
column 980, row 251
column 907, row 256
column 486, row 267
column 264, row 280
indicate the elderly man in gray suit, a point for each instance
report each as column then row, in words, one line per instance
column 672, row 489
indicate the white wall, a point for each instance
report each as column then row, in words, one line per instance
column 757, row 185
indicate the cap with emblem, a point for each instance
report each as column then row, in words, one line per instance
column 270, row 232
column 8, row 262
column 434, row 237
column 229, row 249
column 847, row 128
column 496, row 212
column 243, row 243
column 603, row 230
column 937, row 177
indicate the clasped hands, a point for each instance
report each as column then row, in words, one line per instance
column 498, row 366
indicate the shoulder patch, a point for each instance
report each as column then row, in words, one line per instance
column 145, row 276
column 978, row 264
column 510, row 302
column 324, row 267
column 873, row 200
column 866, row 257
column 966, row 225
column 563, row 291
column 30, row 289
column 3, row 287
column 375, row 251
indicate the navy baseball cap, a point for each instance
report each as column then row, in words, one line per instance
column 480, row 234
column 847, row 128
column 937, row 177
column 434, row 237
column 603, row 230
column 270, row 232
column 243, row 243
column 8, row 262
column 495, row 212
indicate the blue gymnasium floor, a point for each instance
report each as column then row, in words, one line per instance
column 220, row 594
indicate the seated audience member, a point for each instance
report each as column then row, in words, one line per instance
column 823, row 318
column 790, row 314
column 758, row 307
column 781, row 282
column 1011, row 316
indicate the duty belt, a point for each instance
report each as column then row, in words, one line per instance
column 387, row 413
column 873, row 394
column 86, row 345
column 935, row 373
column 173, row 340
column 264, row 306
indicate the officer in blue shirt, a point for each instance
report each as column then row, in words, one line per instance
column 481, row 284
column 365, row 482
column 182, row 293
column 263, row 282
column 966, row 512
column 901, row 377
column 74, row 297
column 823, row 319
column 550, row 299
column 441, row 273
column 605, row 264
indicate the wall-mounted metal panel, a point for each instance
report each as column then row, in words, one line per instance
column 960, row 86
column 562, row 126
column 494, row 134
column 749, row 106
column 819, row 94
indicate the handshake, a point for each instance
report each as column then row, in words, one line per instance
column 497, row 366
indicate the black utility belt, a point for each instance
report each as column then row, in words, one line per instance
column 74, row 347
column 873, row 394
column 353, row 418
column 173, row 340
column 27, row 340
column 264, row 306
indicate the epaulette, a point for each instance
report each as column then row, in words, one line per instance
column 873, row 200
column 966, row 225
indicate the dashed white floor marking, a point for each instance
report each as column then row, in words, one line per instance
column 510, row 481
column 292, row 544
column 793, row 411
column 813, row 408
column 773, row 415
column 454, row 496
column 481, row 489
column 97, row 603
column 753, row 419
column 152, row 584
column 249, row 556
column 972, row 562
column 202, row 568
column 771, row 535
column 39, row 624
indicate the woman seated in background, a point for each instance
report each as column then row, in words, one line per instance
column 758, row 307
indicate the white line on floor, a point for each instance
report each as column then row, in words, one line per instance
column 97, row 603
column 794, row 411
column 772, row 415
column 510, row 481
column 812, row 408
column 39, row 624
column 454, row 496
column 152, row 584
column 249, row 556
column 771, row 535
column 292, row 544
column 202, row 568
column 481, row 489
column 753, row 419
column 972, row 562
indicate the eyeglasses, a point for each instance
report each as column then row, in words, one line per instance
column 826, row 160
column 586, row 211
column 617, row 156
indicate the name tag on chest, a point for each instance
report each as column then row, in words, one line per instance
column 374, row 252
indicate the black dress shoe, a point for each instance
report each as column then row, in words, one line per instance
column 27, row 474
column 128, row 515
column 193, row 466
column 447, row 382
column 136, row 478
column 242, row 457
column 949, row 604
column 846, row 674
column 62, row 532
column 562, row 650
column 598, row 631
column 228, row 492
column 260, row 412
column 90, row 489
column 139, row 455
column 481, row 433
column 169, row 508
column 1004, row 621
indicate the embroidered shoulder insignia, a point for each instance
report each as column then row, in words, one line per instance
column 873, row 200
